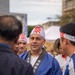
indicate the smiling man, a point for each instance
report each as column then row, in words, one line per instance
column 42, row 62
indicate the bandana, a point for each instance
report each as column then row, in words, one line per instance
column 38, row 30
column 67, row 36
column 22, row 37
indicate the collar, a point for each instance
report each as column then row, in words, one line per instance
column 64, row 56
column 5, row 48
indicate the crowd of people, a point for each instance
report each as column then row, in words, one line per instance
column 17, row 60
column 42, row 62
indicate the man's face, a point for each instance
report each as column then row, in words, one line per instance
column 61, row 50
column 36, row 42
column 22, row 46
column 15, row 48
column 63, row 45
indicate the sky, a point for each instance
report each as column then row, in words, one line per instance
column 37, row 10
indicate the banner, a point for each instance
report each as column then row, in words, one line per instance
column 25, row 24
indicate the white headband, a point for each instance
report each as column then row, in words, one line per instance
column 38, row 30
column 67, row 36
column 22, row 37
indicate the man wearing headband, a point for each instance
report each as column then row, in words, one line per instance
column 22, row 42
column 43, row 63
column 61, row 56
column 67, row 41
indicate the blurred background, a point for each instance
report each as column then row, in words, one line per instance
column 50, row 14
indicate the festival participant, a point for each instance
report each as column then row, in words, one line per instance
column 43, row 63
column 22, row 43
column 61, row 55
column 10, row 63
column 67, row 41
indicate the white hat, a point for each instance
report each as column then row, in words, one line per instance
column 22, row 37
column 38, row 30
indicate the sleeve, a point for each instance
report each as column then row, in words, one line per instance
column 55, row 68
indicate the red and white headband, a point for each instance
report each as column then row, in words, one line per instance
column 38, row 30
column 22, row 37
column 67, row 36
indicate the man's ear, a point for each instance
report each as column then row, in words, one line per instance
column 68, row 42
column 44, row 41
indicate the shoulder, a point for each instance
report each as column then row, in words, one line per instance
column 58, row 57
column 16, row 64
column 23, row 55
column 54, row 65
column 49, row 53
column 22, row 64
column 51, row 58
column 16, row 60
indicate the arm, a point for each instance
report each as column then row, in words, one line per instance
column 56, row 68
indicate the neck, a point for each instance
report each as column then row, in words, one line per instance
column 6, row 42
column 36, row 53
column 71, row 51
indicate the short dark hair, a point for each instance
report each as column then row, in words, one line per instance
column 10, row 27
column 69, row 29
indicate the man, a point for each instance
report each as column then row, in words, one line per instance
column 15, row 48
column 67, row 41
column 43, row 63
column 22, row 42
column 10, row 63
column 61, row 56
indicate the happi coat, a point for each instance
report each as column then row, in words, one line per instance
column 45, row 65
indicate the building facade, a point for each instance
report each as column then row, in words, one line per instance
column 67, row 6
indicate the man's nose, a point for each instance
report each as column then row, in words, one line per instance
column 34, row 40
column 21, row 44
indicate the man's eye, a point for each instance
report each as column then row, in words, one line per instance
column 38, row 38
column 32, row 38
column 19, row 43
column 24, row 43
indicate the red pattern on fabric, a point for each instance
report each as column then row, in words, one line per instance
column 22, row 36
column 37, row 29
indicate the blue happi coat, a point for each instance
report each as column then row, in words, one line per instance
column 48, row 66
column 70, row 67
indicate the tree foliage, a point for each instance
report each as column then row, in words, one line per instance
column 30, row 29
column 67, row 18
